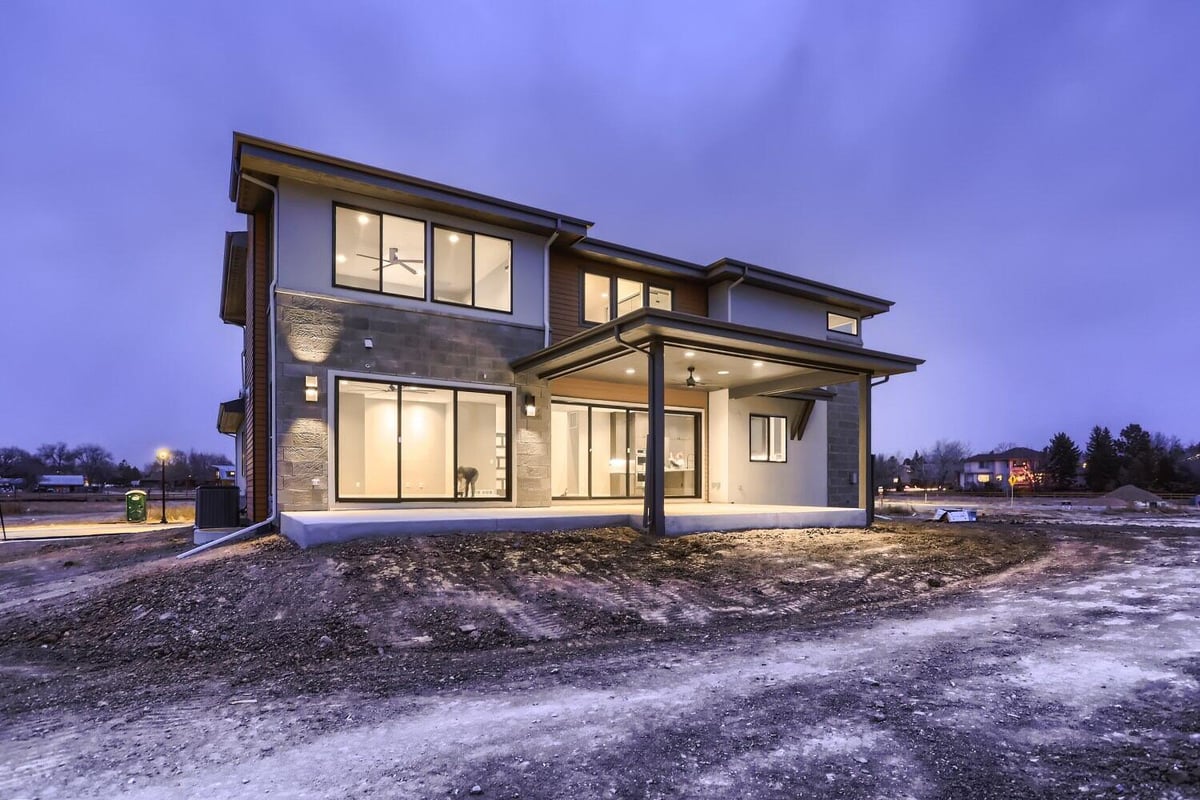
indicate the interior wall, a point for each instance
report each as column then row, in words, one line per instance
column 425, row 434
column 351, row 462
column 379, row 448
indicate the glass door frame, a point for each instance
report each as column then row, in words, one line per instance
column 697, row 416
column 400, row 384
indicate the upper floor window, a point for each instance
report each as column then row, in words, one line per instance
column 607, row 297
column 840, row 323
column 472, row 269
column 378, row 252
column 768, row 438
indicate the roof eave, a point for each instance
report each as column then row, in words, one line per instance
column 282, row 160
column 729, row 269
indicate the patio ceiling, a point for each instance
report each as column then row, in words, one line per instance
column 754, row 360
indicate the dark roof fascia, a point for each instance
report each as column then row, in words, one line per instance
column 637, row 259
column 234, row 241
column 265, row 153
column 729, row 269
column 675, row 327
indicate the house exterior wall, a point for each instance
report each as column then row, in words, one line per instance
column 801, row 480
column 775, row 311
column 323, row 336
column 842, row 424
column 306, row 254
column 566, row 288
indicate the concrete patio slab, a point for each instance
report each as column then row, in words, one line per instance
column 311, row 528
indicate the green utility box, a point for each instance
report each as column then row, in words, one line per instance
column 135, row 505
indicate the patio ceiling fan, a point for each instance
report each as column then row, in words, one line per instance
column 393, row 259
column 691, row 382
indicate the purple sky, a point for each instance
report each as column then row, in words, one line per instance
column 1022, row 178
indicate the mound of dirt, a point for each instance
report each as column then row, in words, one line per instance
column 1127, row 496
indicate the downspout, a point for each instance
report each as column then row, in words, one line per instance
column 881, row 382
column 272, row 497
column 729, row 294
column 546, row 282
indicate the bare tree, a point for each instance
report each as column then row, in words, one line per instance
column 95, row 462
column 942, row 463
column 58, row 458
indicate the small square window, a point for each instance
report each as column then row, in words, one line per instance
column 768, row 438
column 840, row 323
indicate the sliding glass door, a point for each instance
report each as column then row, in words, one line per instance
column 406, row 442
column 600, row 451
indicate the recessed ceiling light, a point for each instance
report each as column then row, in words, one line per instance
column 453, row 238
column 689, row 354
column 756, row 364
column 363, row 219
column 722, row 372
column 630, row 370
column 341, row 259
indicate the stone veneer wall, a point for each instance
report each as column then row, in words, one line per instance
column 843, row 446
column 316, row 334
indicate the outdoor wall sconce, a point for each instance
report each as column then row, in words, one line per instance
column 310, row 388
column 368, row 342
column 854, row 479
column 530, row 406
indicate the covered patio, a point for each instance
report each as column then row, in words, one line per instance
column 666, row 355
column 312, row 528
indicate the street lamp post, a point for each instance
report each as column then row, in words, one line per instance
column 163, row 454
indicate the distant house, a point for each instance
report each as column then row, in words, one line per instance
column 62, row 483
column 9, row 485
column 987, row 469
column 224, row 474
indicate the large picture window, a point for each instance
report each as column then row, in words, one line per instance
column 471, row 269
column 406, row 442
column 607, row 297
column 378, row 252
column 600, row 451
column 768, row 438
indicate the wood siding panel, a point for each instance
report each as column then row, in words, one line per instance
column 586, row 389
column 566, row 287
column 257, row 439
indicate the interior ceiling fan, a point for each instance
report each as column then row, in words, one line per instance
column 394, row 259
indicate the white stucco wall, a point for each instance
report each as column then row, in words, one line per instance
column 801, row 481
column 306, row 253
column 776, row 311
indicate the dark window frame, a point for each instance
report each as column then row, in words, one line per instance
column 433, row 229
column 612, row 294
column 750, row 440
column 426, row 251
column 829, row 323
column 631, row 452
column 399, row 498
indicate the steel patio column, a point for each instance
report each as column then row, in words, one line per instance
column 654, row 518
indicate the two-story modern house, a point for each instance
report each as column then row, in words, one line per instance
column 421, row 357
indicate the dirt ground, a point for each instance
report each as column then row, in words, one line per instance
column 912, row 660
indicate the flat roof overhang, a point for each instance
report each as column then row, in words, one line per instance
column 758, row 361
column 230, row 416
column 233, row 279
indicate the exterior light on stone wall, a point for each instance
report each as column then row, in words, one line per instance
column 368, row 343
column 310, row 388
column 530, row 406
